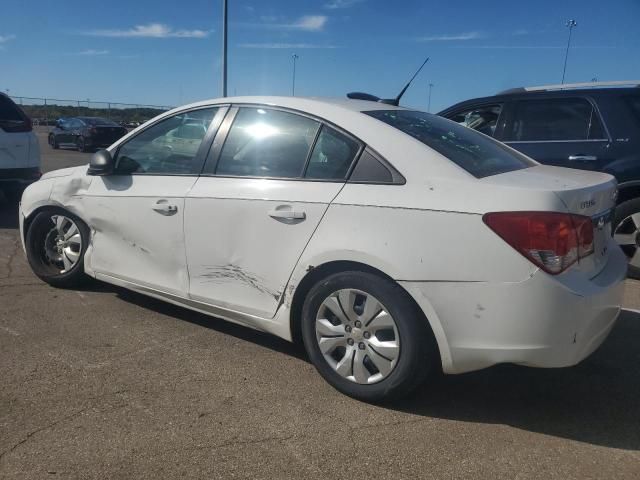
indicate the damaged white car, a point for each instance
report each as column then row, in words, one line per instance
column 391, row 242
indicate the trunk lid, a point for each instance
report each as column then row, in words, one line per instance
column 591, row 194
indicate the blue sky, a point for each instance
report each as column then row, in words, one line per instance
column 168, row 52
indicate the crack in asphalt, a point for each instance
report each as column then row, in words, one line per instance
column 71, row 416
column 11, row 257
column 41, row 429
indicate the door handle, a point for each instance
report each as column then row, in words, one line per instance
column 584, row 158
column 164, row 208
column 285, row 213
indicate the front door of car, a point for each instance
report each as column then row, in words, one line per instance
column 560, row 131
column 266, row 186
column 136, row 214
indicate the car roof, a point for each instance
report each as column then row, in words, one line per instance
column 519, row 93
column 304, row 104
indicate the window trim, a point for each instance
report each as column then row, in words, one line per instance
column 213, row 157
column 203, row 149
column 594, row 106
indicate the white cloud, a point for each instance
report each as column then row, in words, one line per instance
column 309, row 23
column 92, row 52
column 291, row 46
column 336, row 4
column 6, row 38
column 521, row 31
column 151, row 30
column 452, row 37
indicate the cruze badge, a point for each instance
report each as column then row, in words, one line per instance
column 587, row 204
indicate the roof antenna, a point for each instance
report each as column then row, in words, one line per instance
column 388, row 101
column 396, row 101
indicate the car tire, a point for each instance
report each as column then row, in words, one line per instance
column 626, row 232
column 56, row 242
column 81, row 144
column 53, row 141
column 356, row 354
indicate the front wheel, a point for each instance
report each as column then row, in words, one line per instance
column 366, row 337
column 626, row 231
column 56, row 242
column 81, row 143
column 53, row 141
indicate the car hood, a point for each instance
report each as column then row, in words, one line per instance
column 63, row 172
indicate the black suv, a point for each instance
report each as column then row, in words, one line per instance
column 590, row 126
column 85, row 133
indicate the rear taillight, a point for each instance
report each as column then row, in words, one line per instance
column 553, row 241
column 93, row 130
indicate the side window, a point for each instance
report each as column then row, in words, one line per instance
column 483, row 119
column 555, row 119
column 168, row 147
column 267, row 143
column 332, row 155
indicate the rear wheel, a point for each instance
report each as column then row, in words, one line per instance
column 81, row 143
column 366, row 337
column 56, row 242
column 626, row 231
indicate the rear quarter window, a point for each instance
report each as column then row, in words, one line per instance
column 476, row 153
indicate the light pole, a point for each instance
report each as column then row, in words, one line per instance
column 224, row 47
column 571, row 24
column 293, row 85
column 429, row 103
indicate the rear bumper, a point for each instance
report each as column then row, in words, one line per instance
column 543, row 321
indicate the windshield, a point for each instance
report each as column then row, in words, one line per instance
column 478, row 154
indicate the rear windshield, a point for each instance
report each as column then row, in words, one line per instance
column 478, row 154
column 98, row 121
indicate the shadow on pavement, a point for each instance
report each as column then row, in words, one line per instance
column 243, row 333
column 597, row 401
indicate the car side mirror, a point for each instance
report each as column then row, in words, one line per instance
column 101, row 163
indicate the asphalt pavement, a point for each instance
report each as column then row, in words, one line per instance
column 106, row 383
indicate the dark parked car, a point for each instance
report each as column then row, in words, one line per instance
column 85, row 133
column 590, row 126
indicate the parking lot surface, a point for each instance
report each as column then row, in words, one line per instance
column 106, row 383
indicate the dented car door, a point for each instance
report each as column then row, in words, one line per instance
column 251, row 214
column 137, row 213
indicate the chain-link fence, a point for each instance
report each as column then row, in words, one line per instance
column 45, row 111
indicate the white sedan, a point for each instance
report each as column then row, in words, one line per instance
column 391, row 242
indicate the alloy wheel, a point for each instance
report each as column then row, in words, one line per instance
column 357, row 336
column 63, row 244
column 627, row 234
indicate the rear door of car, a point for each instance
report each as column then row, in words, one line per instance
column 14, row 143
column 562, row 131
column 269, row 178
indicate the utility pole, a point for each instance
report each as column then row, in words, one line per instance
column 293, row 85
column 570, row 24
column 224, row 47
column 429, row 103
